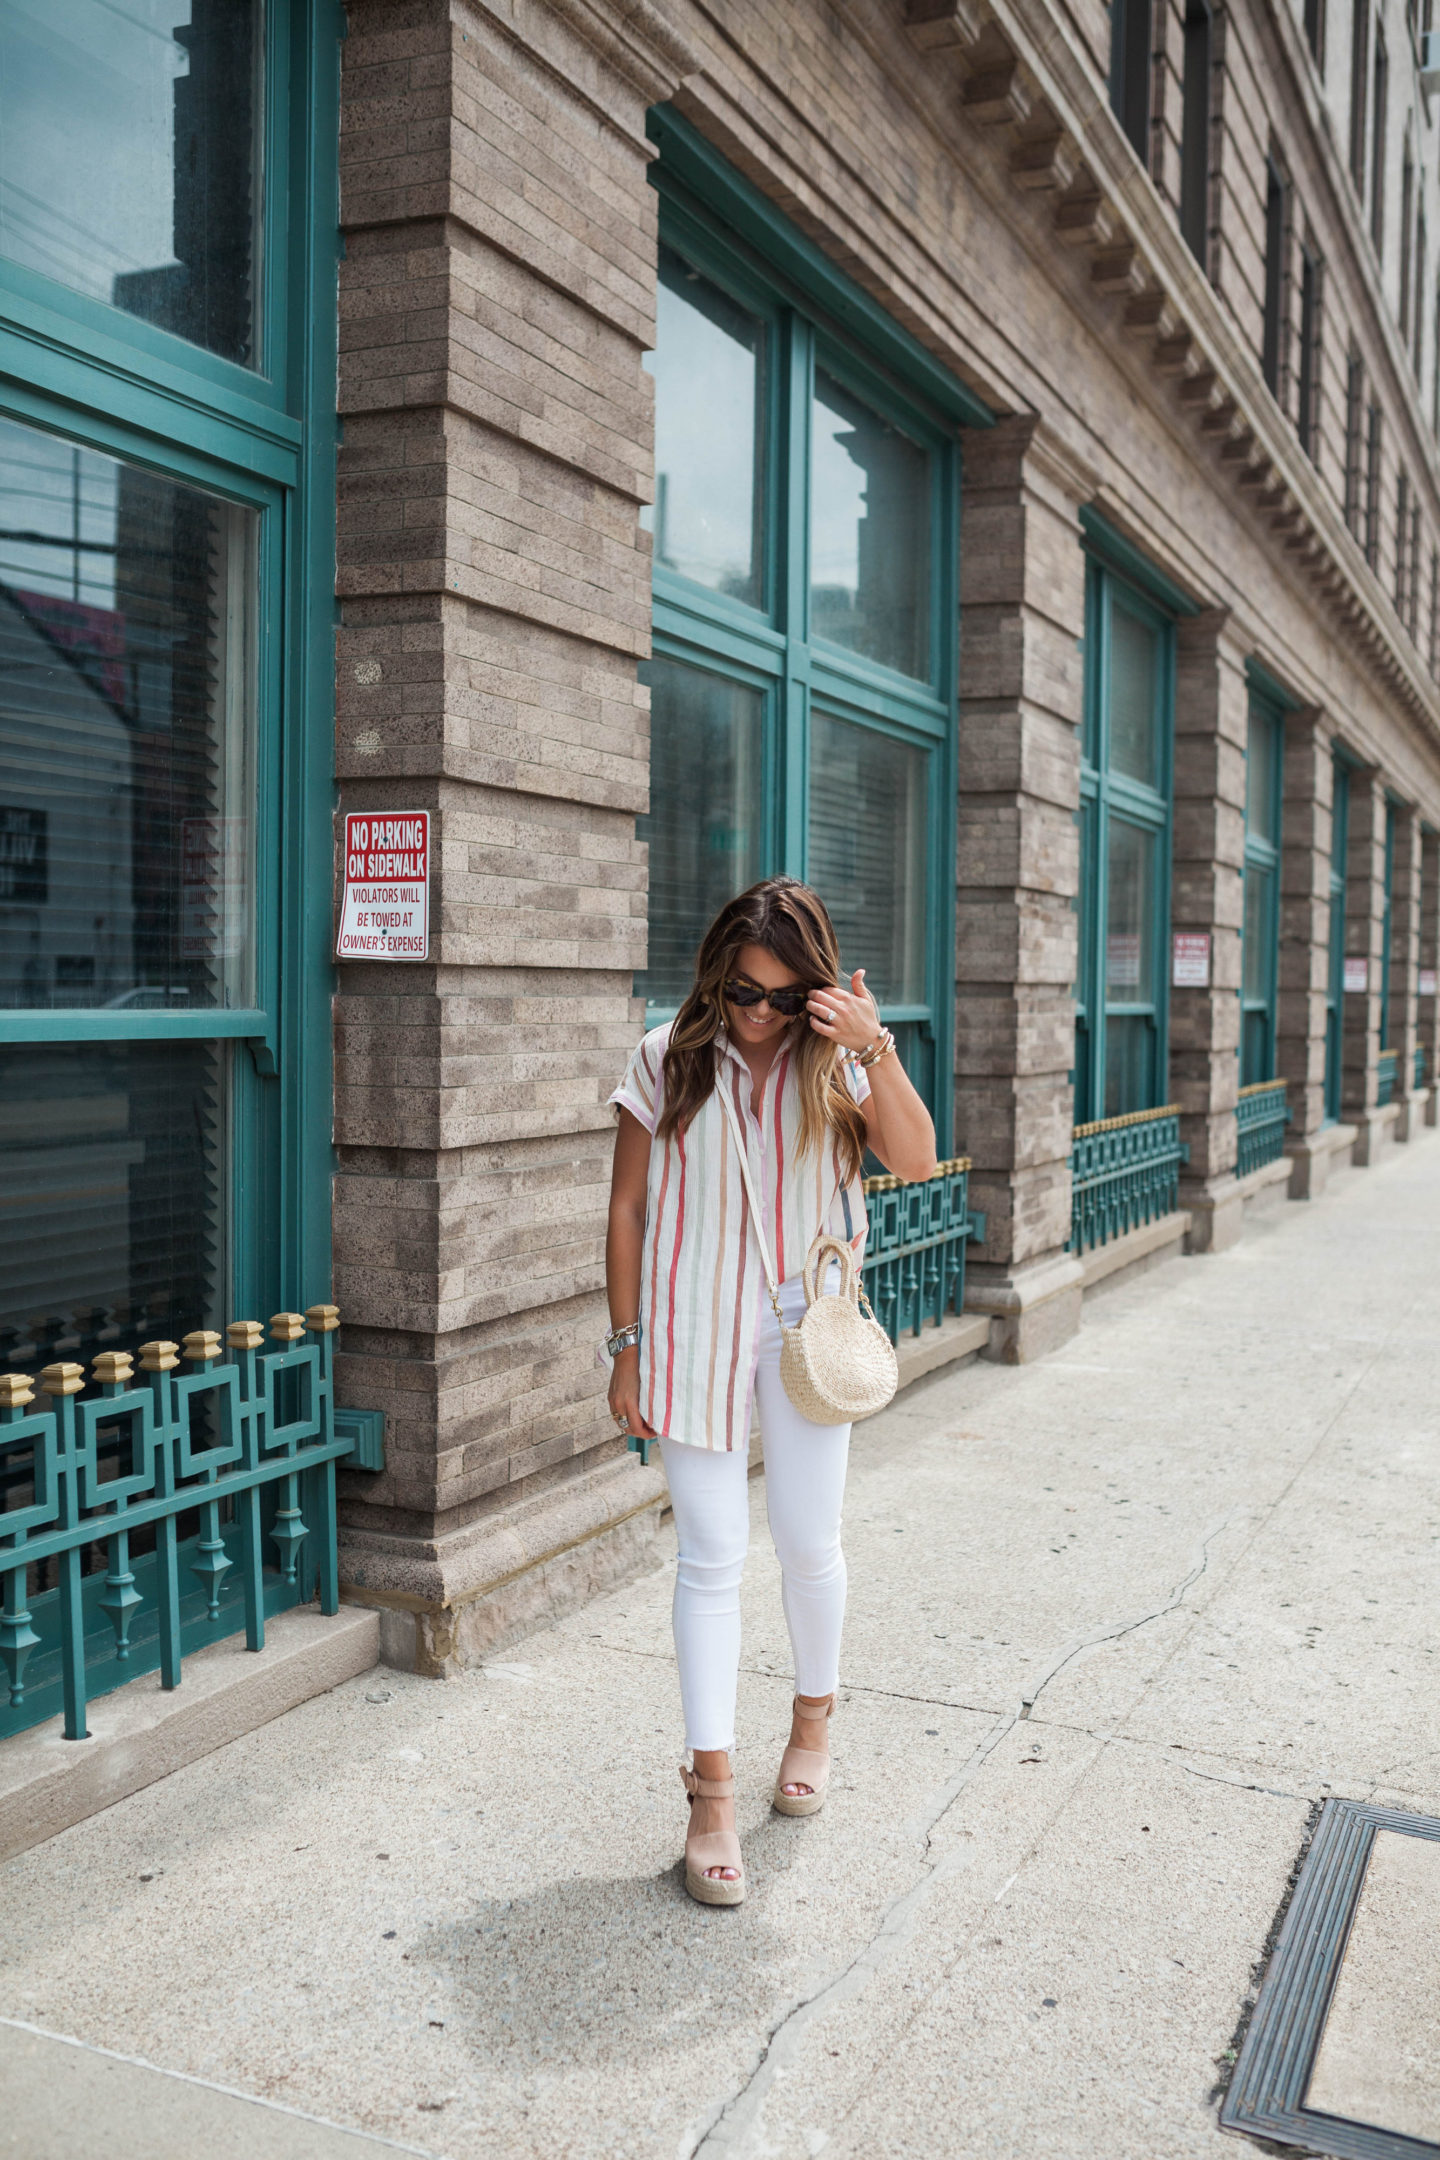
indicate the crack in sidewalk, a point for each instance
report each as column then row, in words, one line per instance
column 729, row 2127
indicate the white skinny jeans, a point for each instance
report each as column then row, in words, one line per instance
column 804, row 1490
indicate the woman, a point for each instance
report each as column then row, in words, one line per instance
column 813, row 1080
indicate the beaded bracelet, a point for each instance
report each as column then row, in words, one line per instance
column 881, row 1047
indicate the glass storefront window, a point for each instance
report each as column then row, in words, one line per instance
column 1120, row 992
column 127, row 687
column 1260, row 776
column 1260, row 961
column 129, row 158
column 1257, row 915
column 706, row 843
column 868, row 853
column 708, row 387
column 1129, row 1061
column 871, row 493
column 1134, row 732
column 771, row 748
column 1129, row 940
column 113, row 1166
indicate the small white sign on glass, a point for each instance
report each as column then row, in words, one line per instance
column 1357, row 975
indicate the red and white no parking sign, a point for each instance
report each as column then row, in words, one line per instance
column 385, row 896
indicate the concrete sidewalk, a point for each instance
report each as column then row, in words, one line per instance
column 1119, row 1621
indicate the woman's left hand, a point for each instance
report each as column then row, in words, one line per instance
column 846, row 1017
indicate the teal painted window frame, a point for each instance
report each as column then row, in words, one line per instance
column 265, row 437
column 1335, row 976
column 1262, row 855
column 811, row 314
column 1107, row 795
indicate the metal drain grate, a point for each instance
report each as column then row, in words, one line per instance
column 1277, row 2062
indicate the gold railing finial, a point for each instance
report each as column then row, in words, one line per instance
column 62, row 1379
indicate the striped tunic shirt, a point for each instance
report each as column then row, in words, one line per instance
column 702, row 1287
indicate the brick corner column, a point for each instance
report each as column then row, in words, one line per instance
column 1017, row 863
column 496, row 594
column 1305, row 843
column 1208, row 896
column 1364, row 941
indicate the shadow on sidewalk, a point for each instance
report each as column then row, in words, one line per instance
column 586, row 1971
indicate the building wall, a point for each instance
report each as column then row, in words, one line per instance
column 959, row 160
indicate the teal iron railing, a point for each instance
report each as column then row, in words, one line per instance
column 1261, row 1116
column 1419, row 1065
column 166, row 1510
column 1124, row 1172
column 914, row 1268
column 1385, row 1079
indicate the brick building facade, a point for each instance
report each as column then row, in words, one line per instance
column 1190, row 342
column 976, row 456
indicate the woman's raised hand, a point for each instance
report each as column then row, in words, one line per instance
column 847, row 1017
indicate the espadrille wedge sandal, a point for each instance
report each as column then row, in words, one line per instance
column 804, row 1766
column 712, row 1848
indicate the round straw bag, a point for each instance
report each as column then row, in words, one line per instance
column 838, row 1364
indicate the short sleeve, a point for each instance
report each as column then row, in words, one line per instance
column 856, row 1079
column 639, row 1090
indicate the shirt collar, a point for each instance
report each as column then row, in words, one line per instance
column 727, row 1049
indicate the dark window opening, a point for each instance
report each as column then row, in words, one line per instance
column 1307, row 415
column 1359, row 79
column 1130, row 31
column 1195, row 130
column 1407, row 204
column 1402, row 536
column 1315, row 31
column 1276, row 222
column 1417, row 353
column 1372, row 485
column 1379, row 101
column 1354, row 437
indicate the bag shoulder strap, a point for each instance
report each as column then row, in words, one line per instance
column 744, row 1154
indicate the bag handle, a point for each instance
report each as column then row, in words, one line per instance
column 825, row 1249
column 729, row 1108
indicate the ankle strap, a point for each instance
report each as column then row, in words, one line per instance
column 702, row 1788
column 813, row 1710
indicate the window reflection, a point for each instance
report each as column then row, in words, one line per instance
column 1260, row 775
column 1129, row 962
column 705, row 835
column 129, row 166
column 868, row 854
column 1130, row 969
column 869, row 533
column 126, row 691
column 113, row 1166
column 1134, row 737
column 708, row 377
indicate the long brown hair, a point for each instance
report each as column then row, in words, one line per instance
column 793, row 923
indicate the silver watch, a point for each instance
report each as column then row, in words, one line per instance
column 623, row 1338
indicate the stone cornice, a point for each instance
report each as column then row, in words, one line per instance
column 636, row 39
column 1024, row 82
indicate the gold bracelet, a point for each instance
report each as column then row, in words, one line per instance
column 881, row 1047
